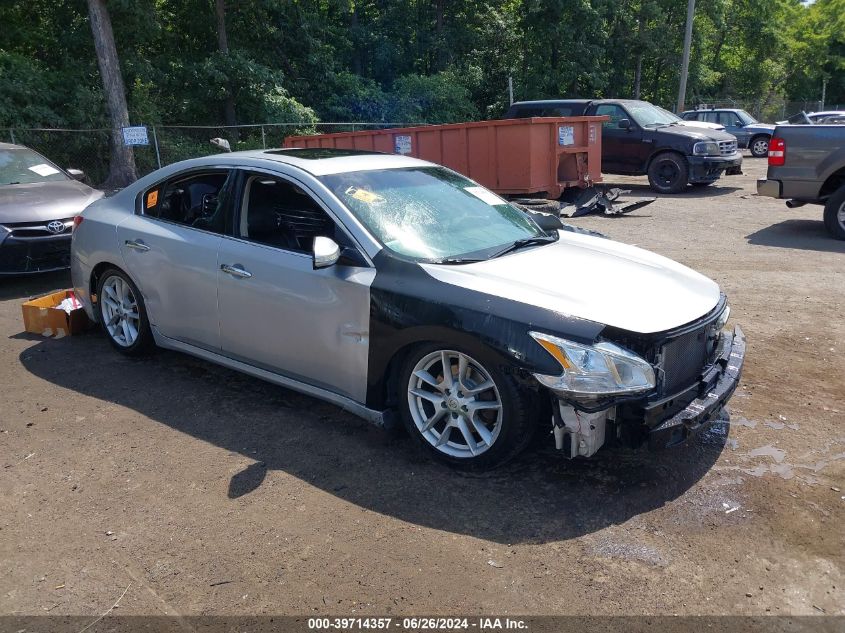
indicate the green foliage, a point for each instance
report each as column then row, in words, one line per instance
column 407, row 60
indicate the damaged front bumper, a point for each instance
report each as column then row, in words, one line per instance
column 665, row 422
column 709, row 168
column 715, row 387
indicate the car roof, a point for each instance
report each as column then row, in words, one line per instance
column 11, row 146
column 545, row 102
column 316, row 161
column 551, row 102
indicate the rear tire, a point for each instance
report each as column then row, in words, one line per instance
column 834, row 214
column 122, row 314
column 759, row 146
column 668, row 173
column 472, row 416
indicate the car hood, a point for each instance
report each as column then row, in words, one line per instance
column 696, row 133
column 592, row 278
column 44, row 201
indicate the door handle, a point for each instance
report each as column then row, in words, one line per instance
column 137, row 245
column 236, row 271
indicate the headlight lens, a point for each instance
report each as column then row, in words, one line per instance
column 594, row 371
column 706, row 148
column 723, row 319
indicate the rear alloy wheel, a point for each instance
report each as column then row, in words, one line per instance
column 122, row 314
column 834, row 214
column 461, row 411
column 759, row 146
column 668, row 173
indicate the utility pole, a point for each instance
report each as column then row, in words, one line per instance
column 510, row 89
column 824, row 92
column 682, row 89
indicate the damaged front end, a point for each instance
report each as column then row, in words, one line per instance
column 670, row 387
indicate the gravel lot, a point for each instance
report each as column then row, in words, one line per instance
column 208, row 492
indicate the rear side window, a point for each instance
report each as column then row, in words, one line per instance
column 200, row 201
column 557, row 110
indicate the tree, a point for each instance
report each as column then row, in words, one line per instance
column 122, row 163
column 223, row 47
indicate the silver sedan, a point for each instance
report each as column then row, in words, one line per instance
column 401, row 290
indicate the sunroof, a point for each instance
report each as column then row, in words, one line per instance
column 315, row 153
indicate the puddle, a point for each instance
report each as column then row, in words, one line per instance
column 769, row 451
column 741, row 421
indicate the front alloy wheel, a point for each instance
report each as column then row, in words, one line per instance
column 455, row 404
column 462, row 411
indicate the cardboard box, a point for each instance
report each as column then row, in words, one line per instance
column 42, row 316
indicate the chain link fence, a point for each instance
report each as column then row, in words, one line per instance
column 90, row 149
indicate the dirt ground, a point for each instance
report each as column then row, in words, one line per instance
column 197, row 490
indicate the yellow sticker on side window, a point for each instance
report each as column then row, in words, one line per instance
column 152, row 198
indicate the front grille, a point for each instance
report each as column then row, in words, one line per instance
column 727, row 148
column 683, row 359
column 32, row 230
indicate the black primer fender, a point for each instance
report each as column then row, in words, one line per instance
column 408, row 307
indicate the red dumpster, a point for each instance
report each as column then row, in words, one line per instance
column 511, row 157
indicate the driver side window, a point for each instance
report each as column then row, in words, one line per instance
column 615, row 113
column 279, row 213
column 200, row 201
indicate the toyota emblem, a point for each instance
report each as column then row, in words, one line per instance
column 56, row 227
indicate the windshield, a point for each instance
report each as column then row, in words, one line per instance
column 670, row 115
column 746, row 118
column 21, row 166
column 646, row 114
column 431, row 213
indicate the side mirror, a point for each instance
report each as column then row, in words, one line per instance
column 624, row 124
column 325, row 253
column 739, row 124
column 76, row 174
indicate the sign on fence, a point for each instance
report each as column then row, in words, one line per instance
column 135, row 135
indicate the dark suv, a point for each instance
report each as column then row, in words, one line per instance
column 640, row 138
column 749, row 132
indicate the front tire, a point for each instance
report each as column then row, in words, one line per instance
column 461, row 409
column 759, row 146
column 122, row 314
column 834, row 214
column 668, row 173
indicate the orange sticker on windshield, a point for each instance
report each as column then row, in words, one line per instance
column 152, row 198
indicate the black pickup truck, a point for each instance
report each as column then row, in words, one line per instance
column 807, row 166
column 642, row 139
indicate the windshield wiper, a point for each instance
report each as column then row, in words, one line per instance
column 527, row 241
column 457, row 260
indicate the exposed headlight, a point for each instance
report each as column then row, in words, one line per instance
column 723, row 319
column 594, row 371
column 706, row 148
